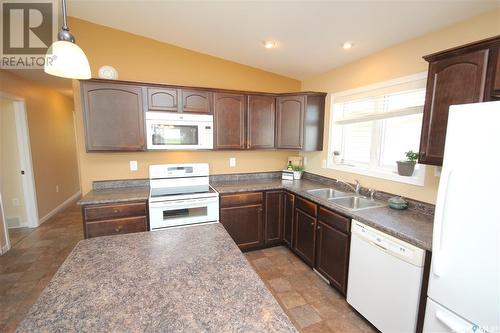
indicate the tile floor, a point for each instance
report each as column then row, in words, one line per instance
column 28, row 267
column 311, row 304
column 17, row 234
column 30, row 264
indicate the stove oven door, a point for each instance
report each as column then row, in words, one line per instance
column 183, row 212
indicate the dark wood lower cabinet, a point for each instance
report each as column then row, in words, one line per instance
column 288, row 215
column 305, row 226
column 274, row 218
column 242, row 215
column 332, row 255
column 116, row 218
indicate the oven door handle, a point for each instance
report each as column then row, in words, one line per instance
column 189, row 202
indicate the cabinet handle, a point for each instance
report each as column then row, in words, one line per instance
column 119, row 228
column 319, row 227
column 116, row 210
column 312, row 223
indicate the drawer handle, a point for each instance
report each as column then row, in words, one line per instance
column 116, row 210
column 119, row 228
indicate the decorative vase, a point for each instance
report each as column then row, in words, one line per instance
column 297, row 174
column 406, row 168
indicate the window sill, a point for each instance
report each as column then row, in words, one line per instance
column 417, row 179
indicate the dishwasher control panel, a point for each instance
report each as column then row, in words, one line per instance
column 385, row 242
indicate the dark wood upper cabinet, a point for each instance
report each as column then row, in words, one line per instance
column 288, row 215
column 290, row 118
column 197, row 101
column 261, row 117
column 458, row 76
column 114, row 117
column 162, row 99
column 300, row 121
column 274, row 217
column 229, row 114
column 332, row 248
column 242, row 216
column 496, row 80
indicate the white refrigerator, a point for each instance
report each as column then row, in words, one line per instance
column 464, row 282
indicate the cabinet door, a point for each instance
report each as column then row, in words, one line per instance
column 332, row 253
column 290, row 118
column 196, row 101
column 496, row 80
column 274, row 217
column 244, row 224
column 457, row 80
column 261, row 122
column 288, row 215
column 229, row 120
column 305, row 226
column 162, row 99
column 114, row 117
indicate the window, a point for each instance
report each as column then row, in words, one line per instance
column 372, row 127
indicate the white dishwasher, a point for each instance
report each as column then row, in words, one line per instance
column 385, row 279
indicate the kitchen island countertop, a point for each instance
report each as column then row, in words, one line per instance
column 190, row 279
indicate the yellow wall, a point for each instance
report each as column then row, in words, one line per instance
column 52, row 140
column 141, row 59
column 11, row 184
column 400, row 60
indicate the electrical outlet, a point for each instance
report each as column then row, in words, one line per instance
column 133, row 166
column 57, row 188
column 304, row 160
column 15, row 202
column 232, row 162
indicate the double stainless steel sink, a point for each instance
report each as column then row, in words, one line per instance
column 346, row 200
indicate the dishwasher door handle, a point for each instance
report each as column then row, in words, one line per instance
column 379, row 246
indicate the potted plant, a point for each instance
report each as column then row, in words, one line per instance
column 297, row 171
column 407, row 167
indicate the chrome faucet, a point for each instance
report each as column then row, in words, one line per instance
column 355, row 189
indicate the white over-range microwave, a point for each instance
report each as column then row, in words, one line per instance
column 168, row 130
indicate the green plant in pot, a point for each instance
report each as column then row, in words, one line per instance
column 297, row 171
column 407, row 167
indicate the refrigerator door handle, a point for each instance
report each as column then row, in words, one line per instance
column 439, row 225
column 448, row 322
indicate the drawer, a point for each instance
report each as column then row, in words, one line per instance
column 115, row 227
column 306, row 206
column 335, row 220
column 107, row 212
column 241, row 199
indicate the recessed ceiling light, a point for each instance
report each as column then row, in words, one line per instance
column 347, row 45
column 269, row 44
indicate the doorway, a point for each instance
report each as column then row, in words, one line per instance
column 18, row 199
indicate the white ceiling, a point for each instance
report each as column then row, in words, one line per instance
column 309, row 33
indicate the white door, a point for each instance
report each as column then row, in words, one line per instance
column 440, row 320
column 465, row 267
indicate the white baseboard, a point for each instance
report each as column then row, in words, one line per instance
column 63, row 205
column 4, row 249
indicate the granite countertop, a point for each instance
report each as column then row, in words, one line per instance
column 409, row 225
column 190, row 279
column 114, row 195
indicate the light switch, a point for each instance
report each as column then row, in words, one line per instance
column 232, row 162
column 133, row 165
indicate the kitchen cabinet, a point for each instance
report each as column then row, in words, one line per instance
column 229, row 111
column 160, row 99
column 305, row 227
column 300, row 121
column 242, row 216
column 288, row 215
column 274, row 217
column 261, row 116
column 461, row 75
column 113, row 219
column 332, row 248
column 113, row 116
column 197, row 101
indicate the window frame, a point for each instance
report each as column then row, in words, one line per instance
column 419, row 176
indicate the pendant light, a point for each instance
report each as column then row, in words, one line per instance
column 64, row 58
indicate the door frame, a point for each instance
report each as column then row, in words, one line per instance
column 6, row 247
column 25, row 159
